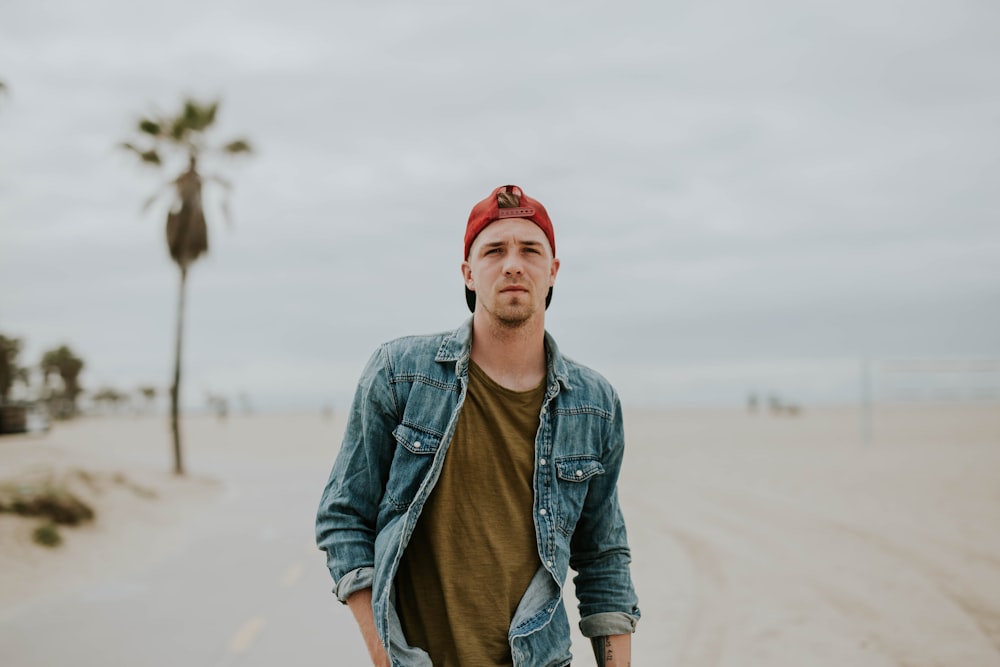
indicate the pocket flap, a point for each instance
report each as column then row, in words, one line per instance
column 578, row 468
column 415, row 440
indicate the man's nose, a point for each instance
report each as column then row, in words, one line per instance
column 512, row 264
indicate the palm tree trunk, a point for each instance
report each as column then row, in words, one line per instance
column 175, row 389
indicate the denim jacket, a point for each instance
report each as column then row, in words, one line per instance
column 400, row 425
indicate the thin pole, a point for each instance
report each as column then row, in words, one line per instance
column 175, row 388
column 866, row 401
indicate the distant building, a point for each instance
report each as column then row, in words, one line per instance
column 13, row 418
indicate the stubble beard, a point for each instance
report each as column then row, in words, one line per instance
column 513, row 316
column 512, row 322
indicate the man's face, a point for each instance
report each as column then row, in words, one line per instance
column 510, row 268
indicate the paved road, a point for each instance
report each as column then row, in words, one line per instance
column 248, row 588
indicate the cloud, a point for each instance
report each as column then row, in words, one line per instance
column 726, row 182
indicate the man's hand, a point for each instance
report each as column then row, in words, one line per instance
column 613, row 651
column 360, row 604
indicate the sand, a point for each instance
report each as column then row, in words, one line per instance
column 143, row 511
column 766, row 541
column 757, row 540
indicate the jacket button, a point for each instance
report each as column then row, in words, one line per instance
column 542, row 462
column 579, row 473
column 416, row 445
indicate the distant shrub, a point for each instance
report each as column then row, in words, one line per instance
column 51, row 497
column 47, row 500
column 47, row 535
column 58, row 505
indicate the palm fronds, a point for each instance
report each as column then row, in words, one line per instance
column 149, row 156
column 238, row 146
column 151, row 127
column 183, row 133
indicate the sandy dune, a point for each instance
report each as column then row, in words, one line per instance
column 143, row 512
column 757, row 540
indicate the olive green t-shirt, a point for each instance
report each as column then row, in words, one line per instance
column 473, row 551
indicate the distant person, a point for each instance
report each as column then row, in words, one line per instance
column 477, row 467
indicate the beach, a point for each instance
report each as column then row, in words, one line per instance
column 757, row 539
column 788, row 541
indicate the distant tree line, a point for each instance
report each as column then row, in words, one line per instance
column 60, row 376
column 59, row 390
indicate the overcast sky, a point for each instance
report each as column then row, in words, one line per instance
column 745, row 196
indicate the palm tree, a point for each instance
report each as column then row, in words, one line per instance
column 63, row 362
column 10, row 369
column 187, row 231
column 149, row 395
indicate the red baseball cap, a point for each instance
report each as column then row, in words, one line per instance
column 488, row 210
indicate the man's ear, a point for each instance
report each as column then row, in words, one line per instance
column 555, row 270
column 467, row 275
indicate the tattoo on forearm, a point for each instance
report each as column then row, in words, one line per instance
column 602, row 651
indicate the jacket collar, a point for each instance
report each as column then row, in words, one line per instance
column 457, row 347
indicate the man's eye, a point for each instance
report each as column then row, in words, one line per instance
column 492, row 251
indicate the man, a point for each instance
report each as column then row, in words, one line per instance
column 476, row 467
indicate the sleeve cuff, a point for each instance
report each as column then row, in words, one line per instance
column 607, row 624
column 354, row 581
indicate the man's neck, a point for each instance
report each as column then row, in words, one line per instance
column 513, row 357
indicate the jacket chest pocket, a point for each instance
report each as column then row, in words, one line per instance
column 411, row 462
column 573, row 475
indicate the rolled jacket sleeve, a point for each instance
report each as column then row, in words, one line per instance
column 348, row 510
column 354, row 581
column 599, row 550
column 608, row 624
